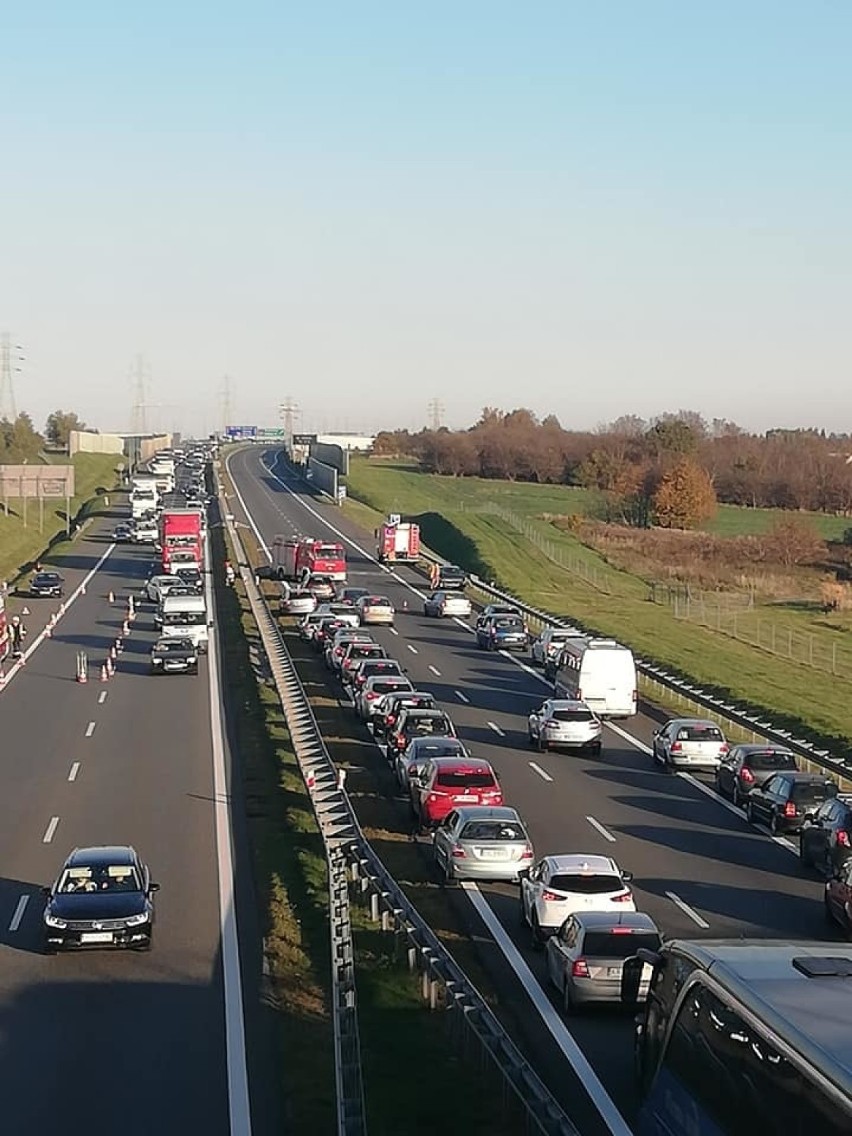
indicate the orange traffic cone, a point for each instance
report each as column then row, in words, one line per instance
column 104, row 673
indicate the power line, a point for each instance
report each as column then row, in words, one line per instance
column 9, row 357
column 436, row 413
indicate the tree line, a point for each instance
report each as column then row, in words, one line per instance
column 669, row 471
column 21, row 442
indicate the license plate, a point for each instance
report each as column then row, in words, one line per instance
column 490, row 853
column 96, row 937
column 613, row 971
column 465, row 799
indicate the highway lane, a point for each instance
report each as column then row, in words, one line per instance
column 138, row 1038
column 700, row 869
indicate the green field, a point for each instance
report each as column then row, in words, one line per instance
column 413, row 491
column 455, row 524
column 20, row 545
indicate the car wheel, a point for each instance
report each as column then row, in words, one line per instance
column 449, row 873
column 749, row 812
column 773, row 824
column 542, row 744
column 569, row 1006
column 536, row 938
column 655, row 753
column 829, row 914
column 595, row 749
column 805, row 858
column 736, row 799
column 530, row 738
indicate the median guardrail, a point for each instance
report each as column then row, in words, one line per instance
column 444, row 985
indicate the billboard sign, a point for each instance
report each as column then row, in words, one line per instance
column 236, row 433
column 304, row 439
column 23, row 481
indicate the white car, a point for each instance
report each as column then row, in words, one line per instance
column 369, row 697
column 559, row 886
column 294, row 601
column 145, row 533
column 159, row 586
column 564, row 723
column 443, row 604
column 345, row 612
column 375, row 609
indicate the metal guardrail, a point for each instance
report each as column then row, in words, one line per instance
column 443, row 983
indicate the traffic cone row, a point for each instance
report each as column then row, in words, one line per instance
column 104, row 673
column 125, row 629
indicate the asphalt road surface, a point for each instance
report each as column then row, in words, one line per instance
column 97, row 1042
column 700, row 870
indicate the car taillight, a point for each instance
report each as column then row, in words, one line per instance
column 391, row 718
column 635, row 695
column 623, row 897
column 370, row 695
column 747, row 776
column 550, row 896
column 843, row 838
column 790, row 809
column 527, row 853
column 580, row 969
column 676, row 747
column 724, row 747
column 621, row 930
column 459, row 853
column 433, row 796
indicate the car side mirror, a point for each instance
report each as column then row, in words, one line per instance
column 45, row 891
column 631, row 980
column 627, row 876
column 524, row 874
column 153, row 887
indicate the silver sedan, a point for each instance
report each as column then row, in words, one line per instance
column 476, row 842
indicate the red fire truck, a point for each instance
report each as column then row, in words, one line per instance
column 181, row 539
column 398, row 541
column 298, row 557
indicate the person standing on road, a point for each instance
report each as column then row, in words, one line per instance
column 230, row 575
column 19, row 634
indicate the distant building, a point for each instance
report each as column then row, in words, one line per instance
column 348, row 442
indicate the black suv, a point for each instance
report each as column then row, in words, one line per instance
column 825, row 841
column 747, row 767
column 415, row 723
column 451, row 576
column 787, row 798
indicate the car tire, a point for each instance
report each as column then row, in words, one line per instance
column 805, row 859
column 594, row 750
column 749, row 812
column 541, row 744
column 536, row 939
column 773, row 824
column 736, row 799
column 829, row 914
column 449, row 874
column 530, row 739
column 569, row 1006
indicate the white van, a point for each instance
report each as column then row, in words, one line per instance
column 186, row 616
column 599, row 672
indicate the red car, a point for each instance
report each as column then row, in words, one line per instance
column 444, row 783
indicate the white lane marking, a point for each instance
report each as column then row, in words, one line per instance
column 90, row 729
column 393, row 631
column 461, row 697
column 73, row 771
column 19, row 913
column 630, row 739
column 605, row 833
column 239, row 1106
column 102, row 697
column 687, row 910
column 545, row 776
column 493, row 726
column 549, row 1015
column 413, row 650
column 42, row 635
column 435, row 671
column 461, row 623
column 49, row 831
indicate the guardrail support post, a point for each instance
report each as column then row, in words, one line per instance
column 374, row 907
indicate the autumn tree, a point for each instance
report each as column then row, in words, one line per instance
column 684, row 496
column 59, row 425
column 19, row 440
column 794, row 540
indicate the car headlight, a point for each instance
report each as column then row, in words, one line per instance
column 137, row 920
column 52, row 921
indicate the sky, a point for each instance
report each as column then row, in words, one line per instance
column 587, row 209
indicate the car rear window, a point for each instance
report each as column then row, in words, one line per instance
column 441, row 747
column 492, row 830
column 618, row 945
column 813, row 792
column 428, row 725
column 770, row 760
column 385, row 686
column 365, row 651
column 449, row 780
column 572, row 715
column 699, row 734
column 378, row 601
column 586, row 884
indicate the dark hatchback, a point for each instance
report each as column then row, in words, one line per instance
column 825, row 841
column 102, row 898
column 786, row 799
column 47, row 586
column 502, row 633
column 414, row 723
column 394, row 705
column 191, row 578
column 451, row 576
column 747, row 767
column 173, row 655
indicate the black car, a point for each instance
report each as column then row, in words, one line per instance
column 747, row 767
column 351, row 595
column 786, row 799
column 451, row 576
column 173, row 655
column 385, row 721
column 101, row 898
column 502, row 633
column 825, row 841
column 47, row 585
column 191, row 578
column 416, row 723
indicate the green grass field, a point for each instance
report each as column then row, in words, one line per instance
column 20, row 545
column 618, row 605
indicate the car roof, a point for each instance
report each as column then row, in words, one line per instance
column 488, row 812
column 750, row 748
column 600, row 920
column 102, row 854
column 577, row 862
column 47, row 572
column 803, row 775
column 462, row 764
column 693, row 722
column 569, row 704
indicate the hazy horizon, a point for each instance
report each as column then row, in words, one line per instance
column 585, row 210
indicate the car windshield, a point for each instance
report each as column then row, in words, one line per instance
column 100, row 878
column 813, row 792
column 365, row 651
column 164, row 647
column 461, row 780
column 771, row 760
column 377, row 666
column 509, row 624
column 377, row 601
column 492, row 830
column 617, row 944
column 48, row 578
column 185, row 618
column 572, row 715
column 428, row 725
column 585, row 884
column 699, row 734
column 328, row 551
